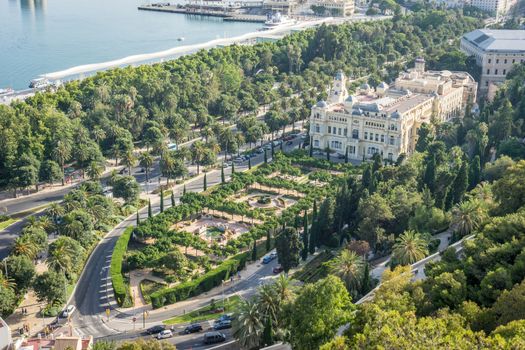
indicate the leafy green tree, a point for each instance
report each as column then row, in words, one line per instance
column 7, row 301
column 493, row 284
column 288, row 246
column 21, row 270
column 50, row 171
column 317, row 312
column 50, row 287
column 448, row 289
column 509, row 191
column 425, row 138
column 127, row 188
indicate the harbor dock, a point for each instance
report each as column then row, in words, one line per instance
column 226, row 15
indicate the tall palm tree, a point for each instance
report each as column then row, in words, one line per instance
column 146, row 161
column 129, row 160
column 61, row 154
column 23, row 245
column 94, row 170
column 61, row 256
column 249, row 325
column 467, row 216
column 283, row 288
column 410, row 247
column 349, row 267
column 268, row 301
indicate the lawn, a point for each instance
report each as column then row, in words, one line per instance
column 147, row 287
column 8, row 222
column 205, row 313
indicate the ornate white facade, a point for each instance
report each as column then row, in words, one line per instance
column 385, row 120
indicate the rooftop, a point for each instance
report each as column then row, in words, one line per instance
column 497, row 39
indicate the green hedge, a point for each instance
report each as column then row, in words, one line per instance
column 120, row 287
column 200, row 285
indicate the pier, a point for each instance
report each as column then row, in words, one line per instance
column 228, row 14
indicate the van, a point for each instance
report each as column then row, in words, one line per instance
column 214, row 337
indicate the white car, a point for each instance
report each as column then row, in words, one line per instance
column 68, row 311
column 165, row 334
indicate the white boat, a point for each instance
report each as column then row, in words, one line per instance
column 39, row 83
column 180, row 39
column 278, row 20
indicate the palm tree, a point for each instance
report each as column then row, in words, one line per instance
column 61, row 255
column 56, row 211
column 94, row 170
column 467, row 216
column 146, row 161
column 249, row 325
column 283, row 288
column 61, row 154
column 129, row 160
column 269, row 303
column 410, row 247
column 349, row 267
column 7, row 283
column 23, row 245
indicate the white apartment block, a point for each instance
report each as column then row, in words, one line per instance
column 345, row 7
column 496, row 51
column 386, row 120
column 497, row 7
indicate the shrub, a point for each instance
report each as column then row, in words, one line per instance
column 120, row 287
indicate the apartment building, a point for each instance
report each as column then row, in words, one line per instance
column 343, row 8
column 496, row 51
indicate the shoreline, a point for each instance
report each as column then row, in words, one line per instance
column 178, row 51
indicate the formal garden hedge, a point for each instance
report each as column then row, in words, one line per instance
column 120, row 287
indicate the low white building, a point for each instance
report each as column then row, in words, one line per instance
column 5, row 335
column 385, row 120
column 496, row 7
column 496, row 51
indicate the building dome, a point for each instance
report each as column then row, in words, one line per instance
column 351, row 99
column 383, row 85
column 321, row 104
column 395, row 115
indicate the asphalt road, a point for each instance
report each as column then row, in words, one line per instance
column 93, row 293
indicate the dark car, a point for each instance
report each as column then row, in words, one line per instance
column 155, row 329
column 341, row 156
column 193, row 328
column 214, row 337
column 225, row 317
column 278, row 269
column 289, row 143
column 222, row 325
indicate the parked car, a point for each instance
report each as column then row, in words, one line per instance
column 289, row 143
column 268, row 146
column 239, row 160
column 277, row 269
column 227, row 164
column 341, row 156
column 165, row 334
column 268, row 258
column 277, row 143
column 193, row 328
column 225, row 317
column 273, row 255
column 259, row 150
column 68, row 311
column 222, row 325
column 214, row 337
column 155, row 329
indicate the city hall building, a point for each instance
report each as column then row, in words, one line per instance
column 385, row 120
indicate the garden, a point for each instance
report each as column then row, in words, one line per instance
column 196, row 245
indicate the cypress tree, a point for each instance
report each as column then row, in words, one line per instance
column 172, row 199
column 327, row 152
column 223, row 179
column 205, row 183
column 281, row 145
column 297, row 222
column 267, row 338
column 233, row 168
column 311, row 150
column 273, row 150
column 138, row 218
column 429, row 177
column 365, row 283
column 184, row 190
column 475, row 172
column 149, row 209
column 346, row 155
column 377, row 163
column 249, row 163
column 460, row 183
column 313, row 238
column 161, row 201
column 265, row 156
column 254, row 250
column 304, row 253
column 268, row 241
column 367, row 177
